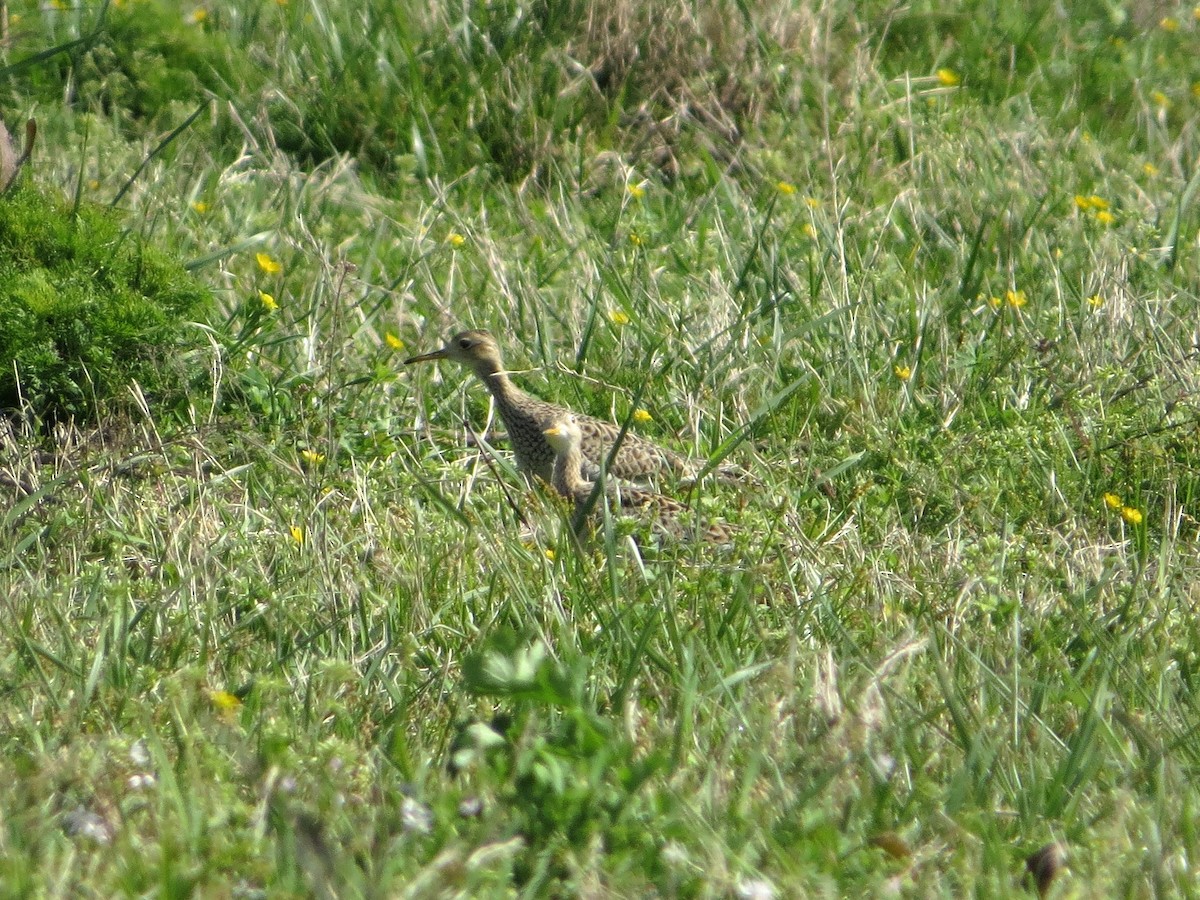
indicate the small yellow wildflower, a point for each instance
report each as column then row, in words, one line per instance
column 637, row 191
column 618, row 317
column 267, row 264
column 93, row 185
column 199, row 206
column 635, row 239
column 1150, row 170
column 267, row 301
column 199, row 16
column 808, row 231
column 1097, row 202
column 550, row 554
column 312, row 457
column 1112, row 501
column 1196, row 90
column 1196, row 13
column 902, row 372
column 1095, row 301
column 392, row 341
column 812, row 202
column 1084, row 203
column 1159, row 99
column 642, row 416
column 454, row 239
column 786, row 188
column 297, row 534
column 1016, row 299
column 994, row 302
column 948, row 78
column 1167, row 23
column 1131, row 515
column 1104, row 217
column 224, row 701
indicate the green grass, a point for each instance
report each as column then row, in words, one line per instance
column 314, row 642
column 89, row 309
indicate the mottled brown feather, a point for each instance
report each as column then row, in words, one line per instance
column 666, row 515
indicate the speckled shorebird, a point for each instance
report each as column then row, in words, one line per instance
column 526, row 417
column 667, row 516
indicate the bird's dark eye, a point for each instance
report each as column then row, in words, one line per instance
column 464, row 343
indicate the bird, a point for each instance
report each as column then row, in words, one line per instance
column 668, row 517
column 527, row 417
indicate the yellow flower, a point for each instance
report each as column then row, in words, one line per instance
column 1097, row 202
column 392, row 341
column 297, row 534
column 1131, row 515
column 1095, row 301
column 1149, row 169
column 93, row 185
column 1083, row 202
column 1159, row 99
column 812, row 202
column 224, row 701
column 635, row 239
column 948, row 78
column 550, row 554
column 808, row 231
column 642, row 416
column 199, row 206
column 1112, row 501
column 1196, row 13
column 618, row 317
column 1104, row 217
column 1166, row 23
column 199, row 16
column 786, row 188
column 1016, row 299
column 1196, row 90
column 902, row 372
column 267, row 301
column 637, row 191
column 454, row 239
column 312, row 457
column 994, row 302
column 267, row 264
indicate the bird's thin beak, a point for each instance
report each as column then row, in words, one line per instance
column 552, row 431
column 427, row 357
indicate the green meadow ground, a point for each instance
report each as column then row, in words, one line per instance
column 932, row 276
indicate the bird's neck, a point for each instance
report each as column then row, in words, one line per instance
column 566, row 478
column 497, row 381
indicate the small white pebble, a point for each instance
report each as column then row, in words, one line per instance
column 140, row 782
column 415, row 816
column 139, row 755
column 84, row 823
column 755, row 889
